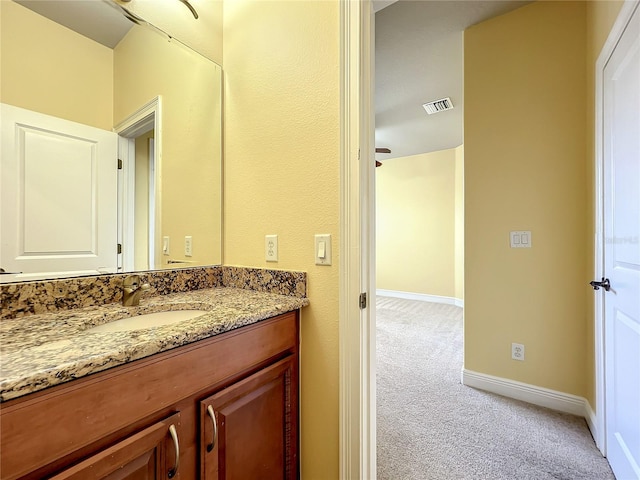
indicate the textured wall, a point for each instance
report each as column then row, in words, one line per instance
column 282, row 154
column 525, row 148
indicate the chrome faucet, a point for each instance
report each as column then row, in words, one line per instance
column 131, row 290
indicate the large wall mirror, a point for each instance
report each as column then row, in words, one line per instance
column 135, row 96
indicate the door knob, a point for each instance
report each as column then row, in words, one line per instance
column 604, row 283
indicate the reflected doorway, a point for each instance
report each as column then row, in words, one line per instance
column 139, row 189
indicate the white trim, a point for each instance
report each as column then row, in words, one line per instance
column 367, row 242
column 422, row 297
column 126, row 199
column 544, row 397
column 592, row 420
column 616, row 32
column 357, row 441
column 141, row 121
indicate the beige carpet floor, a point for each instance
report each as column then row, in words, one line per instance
column 430, row 427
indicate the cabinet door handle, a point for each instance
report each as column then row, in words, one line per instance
column 176, row 445
column 214, row 424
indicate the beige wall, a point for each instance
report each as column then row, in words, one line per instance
column 50, row 69
column 525, row 169
column 141, row 192
column 600, row 18
column 147, row 65
column 415, row 221
column 459, row 223
column 282, row 153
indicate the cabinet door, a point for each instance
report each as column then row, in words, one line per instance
column 250, row 429
column 149, row 454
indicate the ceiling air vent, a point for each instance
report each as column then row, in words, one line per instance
column 438, row 106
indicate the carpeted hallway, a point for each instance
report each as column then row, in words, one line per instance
column 430, row 427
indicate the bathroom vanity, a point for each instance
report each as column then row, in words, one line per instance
column 213, row 397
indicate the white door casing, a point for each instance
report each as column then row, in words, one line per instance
column 58, row 195
column 147, row 117
column 618, row 324
column 357, row 448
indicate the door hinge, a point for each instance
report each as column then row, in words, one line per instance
column 363, row 301
column 119, row 164
column 119, row 248
column 358, row 154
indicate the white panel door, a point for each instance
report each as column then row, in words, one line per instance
column 58, row 211
column 622, row 252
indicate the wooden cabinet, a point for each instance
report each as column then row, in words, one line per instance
column 246, row 428
column 149, row 454
column 117, row 424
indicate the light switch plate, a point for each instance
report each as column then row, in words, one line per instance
column 319, row 250
column 271, row 248
column 520, row 239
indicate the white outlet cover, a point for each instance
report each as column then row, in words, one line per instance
column 517, row 351
column 271, row 248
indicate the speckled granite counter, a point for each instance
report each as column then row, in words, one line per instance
column 44, row 350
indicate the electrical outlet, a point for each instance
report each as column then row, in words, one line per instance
column 517, row 351
column 271, row 248
column 188, row 246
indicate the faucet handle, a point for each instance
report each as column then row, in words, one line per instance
column 132, row 288
column 131, row 283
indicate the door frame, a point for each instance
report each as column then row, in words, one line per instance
column 607, row 50
column 357, row 417
column 147, row 117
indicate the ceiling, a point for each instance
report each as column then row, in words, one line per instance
column 96, row 19
column 419, row 58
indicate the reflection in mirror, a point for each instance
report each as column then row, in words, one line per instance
column 158, row 105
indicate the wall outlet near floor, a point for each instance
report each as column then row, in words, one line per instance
column 517, row 351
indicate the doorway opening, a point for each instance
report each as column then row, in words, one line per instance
column 139, row 192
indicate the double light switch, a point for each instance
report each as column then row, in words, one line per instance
column 520, row 239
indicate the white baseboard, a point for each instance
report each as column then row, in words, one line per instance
column 544, row 397
column 590, row 417
column 423, row 297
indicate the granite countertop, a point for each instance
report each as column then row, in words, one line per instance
column 41, row 351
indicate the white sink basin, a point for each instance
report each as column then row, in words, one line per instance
column 148, row 320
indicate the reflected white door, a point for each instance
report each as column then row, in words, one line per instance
column 58, row 196
column 621, row 188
